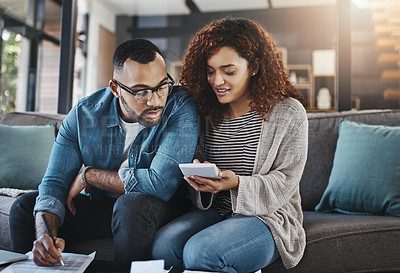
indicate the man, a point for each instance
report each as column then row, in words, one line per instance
column 129, row 138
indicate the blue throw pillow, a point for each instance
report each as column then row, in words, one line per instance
column 24, row 155
column 365, row 177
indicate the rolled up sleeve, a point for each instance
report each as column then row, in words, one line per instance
column 50, row 204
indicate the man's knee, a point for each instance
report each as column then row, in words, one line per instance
column 136, row 218
column 22, row 223
column 23, row 205
column 135, row 209
column 133, row 198
column 133, row 203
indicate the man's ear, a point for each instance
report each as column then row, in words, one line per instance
column 114, row 88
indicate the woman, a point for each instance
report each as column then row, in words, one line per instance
column 255, row 129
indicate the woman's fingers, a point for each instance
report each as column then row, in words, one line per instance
column 191, row 183
column 206, row 184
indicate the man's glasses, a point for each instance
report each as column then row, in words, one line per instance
column 145, row 94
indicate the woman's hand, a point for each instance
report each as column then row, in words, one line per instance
column 229, row 180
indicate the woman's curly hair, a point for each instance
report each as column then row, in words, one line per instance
column 251, row 42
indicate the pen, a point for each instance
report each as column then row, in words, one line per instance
column 46, row 224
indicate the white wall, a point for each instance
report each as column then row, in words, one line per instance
column 100, row 14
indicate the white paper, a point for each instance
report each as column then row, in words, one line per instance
column 72, row 263
column 154, row 266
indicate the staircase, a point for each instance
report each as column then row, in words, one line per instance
column 386, row 19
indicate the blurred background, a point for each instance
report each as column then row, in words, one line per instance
column 55, row 52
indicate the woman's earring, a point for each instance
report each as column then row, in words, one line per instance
column 254, row 73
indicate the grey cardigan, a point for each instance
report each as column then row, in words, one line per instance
column 272, row 192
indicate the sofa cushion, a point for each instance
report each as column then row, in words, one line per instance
column 5, row 205
column 347, row 243
column 322, row 137
column 365, row 177
column 24, row 154
column 19, row 118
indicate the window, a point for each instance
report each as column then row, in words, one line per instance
column 29, row 55
column 10, row 68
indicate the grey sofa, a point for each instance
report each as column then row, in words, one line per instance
column 339, row 242
column 104, row 247
column 335, row 242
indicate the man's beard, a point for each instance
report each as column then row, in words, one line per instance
column 141, row 118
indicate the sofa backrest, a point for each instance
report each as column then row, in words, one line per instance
column 322, row 138
column 323, row 134
column 31, row 118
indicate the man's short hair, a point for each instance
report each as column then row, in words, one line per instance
column 139, row 50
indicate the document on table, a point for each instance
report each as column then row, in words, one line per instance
column 73, row 263
column 157, row 266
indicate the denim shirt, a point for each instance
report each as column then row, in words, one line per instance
column 91, row 135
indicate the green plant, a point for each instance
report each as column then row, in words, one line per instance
column 9, row 71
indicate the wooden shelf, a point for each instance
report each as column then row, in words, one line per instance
column 387, row 29
column 311, row 83
column 388, row 59
column 392, row 94
column 385, row 16
column 302, row 81
column 387, row 43
column 302, row 85
column 390, row 75
column 324, row 75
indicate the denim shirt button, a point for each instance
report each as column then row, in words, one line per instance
column 132, row 156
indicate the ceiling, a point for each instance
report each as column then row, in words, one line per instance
column 20, row 8
column 179, row 7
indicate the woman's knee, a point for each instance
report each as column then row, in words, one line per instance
column 163, row 241
column 166, row 246
column 199, row 253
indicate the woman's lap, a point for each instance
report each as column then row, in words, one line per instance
column 210, row 242
column 170, row 239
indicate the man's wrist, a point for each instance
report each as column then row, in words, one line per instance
column 53, row 222
column 84, row 176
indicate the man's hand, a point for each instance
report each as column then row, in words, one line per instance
column 47, row 253
column 76, row 187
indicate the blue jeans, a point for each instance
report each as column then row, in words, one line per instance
column 204, row 240
column 132, row 220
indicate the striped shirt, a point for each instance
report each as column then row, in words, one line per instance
column 232, row 145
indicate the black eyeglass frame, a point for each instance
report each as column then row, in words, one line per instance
column 154, row 89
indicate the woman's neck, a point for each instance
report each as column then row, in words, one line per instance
column 237, row 109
